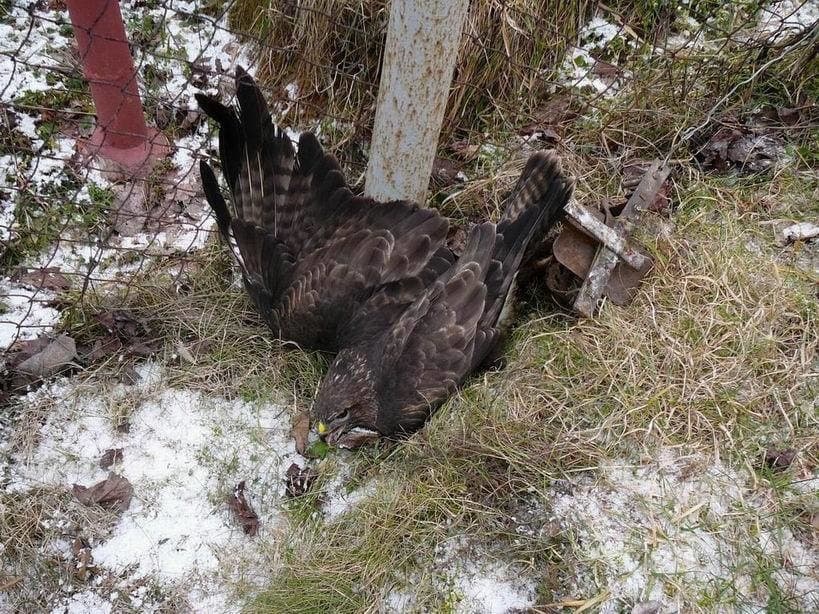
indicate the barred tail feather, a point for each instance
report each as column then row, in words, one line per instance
column 534, row 207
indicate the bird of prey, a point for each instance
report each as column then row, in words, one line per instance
column 373, row 282
column 388, row 382
column 311, row 253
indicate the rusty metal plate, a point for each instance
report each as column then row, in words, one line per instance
column 575, row 250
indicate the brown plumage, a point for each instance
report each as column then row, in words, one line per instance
column 311, row 252
column 391, row 380
column 371, row 281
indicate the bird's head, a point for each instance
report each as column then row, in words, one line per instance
column 346, row 408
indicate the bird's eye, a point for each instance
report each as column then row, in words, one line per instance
column 342, row 416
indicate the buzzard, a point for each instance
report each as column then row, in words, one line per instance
column 390, row 380
column 373, row 282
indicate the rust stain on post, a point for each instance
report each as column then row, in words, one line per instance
column 422, row 44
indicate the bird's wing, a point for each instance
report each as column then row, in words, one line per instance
column 428, row 352
column 391, row 300
column 310, row 250
column 532, row 209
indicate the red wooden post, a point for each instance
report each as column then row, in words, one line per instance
column 121, row 134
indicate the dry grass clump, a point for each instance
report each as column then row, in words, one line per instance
column 332, row 51
column 714, row 350
column 211, row 336
column 38, row 527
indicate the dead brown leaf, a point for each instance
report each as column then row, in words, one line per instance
column 299, row 480
column 540, row 132
column 83, row 559
column 464, row 149
column 128, row 333
column 301, row 430
column 743, row 148
column 111, row 456
column 57, row 354
column 605, row 69
column 446, row 173
column 632, row 175
column 49, row 278
column 238, row 504
column 114, row 493
column 779, row 459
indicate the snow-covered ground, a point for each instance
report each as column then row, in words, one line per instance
column 640, row 529
column 472, row 580
column 36, row 46
column 183, row 453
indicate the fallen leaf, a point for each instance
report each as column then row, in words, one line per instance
column 59, row 353
column 83, row 559
column 464, row 149
column 299, row 480
column 301, row 430
column 122, row 323
column 538, row 132
column 241, row 509
column 104, row 347
column 605, row 69
column 742, row 148
column 49, row 278
column 556, row 111
column 632, row 175
column 131, row 333
column 446, row 173
column 111, row 456
column 788, row 116
column 114, row 493
column 779, row 460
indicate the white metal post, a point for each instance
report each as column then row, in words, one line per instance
column 422, row 44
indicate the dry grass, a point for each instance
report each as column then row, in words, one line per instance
column 332, row 51
column 716, row 359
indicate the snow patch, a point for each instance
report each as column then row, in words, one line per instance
column 86, row 602
column 183, row 453
column 782, row 20
column 578, row 69
column 492, row 588
column 471, row 580
column 24, row 312
column 339, row 500
column 639, row 529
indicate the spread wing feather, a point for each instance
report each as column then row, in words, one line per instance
column 429, row 349
column 311, row 252
column 448, row 331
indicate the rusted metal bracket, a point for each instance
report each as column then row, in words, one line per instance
column 613, row 243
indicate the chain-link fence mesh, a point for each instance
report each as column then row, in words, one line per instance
column 604, row 84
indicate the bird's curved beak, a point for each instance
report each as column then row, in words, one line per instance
column 356, row 437
column 322, row 428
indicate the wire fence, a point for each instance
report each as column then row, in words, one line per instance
column 530, row 75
